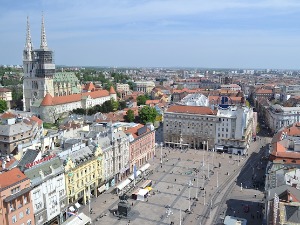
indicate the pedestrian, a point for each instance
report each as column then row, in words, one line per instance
column 132, row 204
column 175, row 179
column 254, row 195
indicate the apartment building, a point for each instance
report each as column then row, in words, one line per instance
column 15, row 199
column 15, row 129
column 49, row 196
column 83, row 170
column 142, row 145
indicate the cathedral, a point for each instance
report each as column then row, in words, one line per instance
column 47, row 93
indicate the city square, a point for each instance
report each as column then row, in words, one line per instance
column 181, row 194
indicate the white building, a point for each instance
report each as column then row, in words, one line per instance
column 290, row 90
column 144, row 86
column 115, row 146
column 122, row 87
column 194, row 100
column 226, row 129
column 234, row 130
column 278, row 116
column 49, row 197
column 231, row 87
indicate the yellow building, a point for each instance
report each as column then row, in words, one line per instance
column 83, row 172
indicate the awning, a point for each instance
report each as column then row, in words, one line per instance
column 102, row 188
column 131, row 177
column 77, row 205
column 144, row 167
column 71, row 208
column 74, row 220
column 123, row 184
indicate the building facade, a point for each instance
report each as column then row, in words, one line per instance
column 49, row 196
column 48, row 94
column 235, row 129
column 277, row 116
column 15, row 199
column 227, row 129
column 38, row 68
column 83, row 170
column 142, row 145
column 15, row 130
column 190, row 126
column 6, row 95
column 144, row 86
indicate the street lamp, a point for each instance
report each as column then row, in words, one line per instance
column 190, row 184
column 217, row 178
column 161, row 160
column 203, row 144
column 180, row 217
column 197, row 185
column 169, row 212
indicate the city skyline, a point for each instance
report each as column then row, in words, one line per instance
column 215, row 34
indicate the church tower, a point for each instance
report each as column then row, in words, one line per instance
column 28, row 57
column 39, row 70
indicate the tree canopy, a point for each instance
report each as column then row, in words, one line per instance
column 129, row 117
column 147, row 114
column 141, row 99
column 3, row 106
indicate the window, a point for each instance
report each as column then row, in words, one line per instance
column 21, row 215
column 14, row 219
column 28, row 222
column 25, row 200
column 28, row 212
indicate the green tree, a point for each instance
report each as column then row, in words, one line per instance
column 3, row 106
column 131, row 84
column 147, row 114
column 114, row 104
column 122, row 105
column 129, row 117
column 141, row 99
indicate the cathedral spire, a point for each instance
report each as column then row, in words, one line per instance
column 28, row 44
column 43, row 35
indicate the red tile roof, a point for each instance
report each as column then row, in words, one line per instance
column 11, row 177
column 58, row 100
column 134, row 130
column 8, row 115
column 4, row 90
column 202, row 110
column 36, row 119
column 156, row 101
column 48, row 100
column 89, row 87
column 112, row 90
column 8, row 164
column 264, row 91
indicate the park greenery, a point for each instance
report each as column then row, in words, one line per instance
column 108, row 106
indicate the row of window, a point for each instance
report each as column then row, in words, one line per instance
column 21, row 215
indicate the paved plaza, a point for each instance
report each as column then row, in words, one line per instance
column 197, row 198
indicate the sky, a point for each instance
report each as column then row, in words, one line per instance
column 157, row 33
